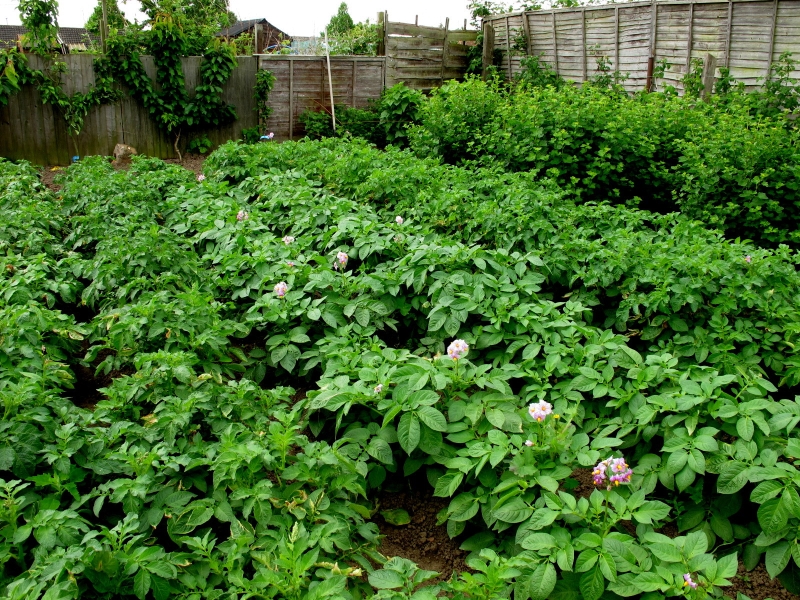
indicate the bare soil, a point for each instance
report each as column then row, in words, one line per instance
column 48, row 175
column 757, row 585
column 422, row 540
column 585, row 481
column 192, row 162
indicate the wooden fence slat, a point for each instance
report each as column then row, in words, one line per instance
column 750, row 35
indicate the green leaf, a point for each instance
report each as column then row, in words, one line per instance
column 432, row 418
column 542, row 581
column 773, row 516
column 726, row 566
column 751, row 556
column 386, row 579
column 380, row 450
column 408, row 432
column 463, row 507
column 396, row 516
column 141, row 583
column 651, row 511
column 162, row 590
column 607, row 566
column 695, row 544
column 514, row 511
column 732, row 477
column 592, row 584
column 650, row 582
column 666, row 552
column 539, row 541
column 766, row 490
column 447, row 484
column 722, row 527
column 745, row 428
column 685, row 478
column 542, row 518
column 777, row 558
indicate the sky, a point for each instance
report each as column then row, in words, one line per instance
column 303, row 17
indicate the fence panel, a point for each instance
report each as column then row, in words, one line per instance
column 746, row 36
column 34, row 131
column 302, row 84
column 424, row 57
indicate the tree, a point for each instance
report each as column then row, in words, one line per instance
column 40, row 18
column 199, row 20
column 341, row 22
column 116, row 19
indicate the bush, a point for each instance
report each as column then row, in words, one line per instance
column 722, row 162
column 384, row 122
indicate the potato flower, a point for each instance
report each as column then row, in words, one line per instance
column 457, row 350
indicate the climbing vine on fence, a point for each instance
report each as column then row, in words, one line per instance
column 170, row 105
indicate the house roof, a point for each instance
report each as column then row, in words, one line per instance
column 246, row 25
column 70, row 36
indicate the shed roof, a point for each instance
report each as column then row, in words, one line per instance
column 246, row 25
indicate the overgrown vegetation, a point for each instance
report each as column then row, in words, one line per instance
column 173, row 34
column 384, row 122
column 730, row 162
column 199, row 310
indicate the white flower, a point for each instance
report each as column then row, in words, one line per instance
column 457, row 350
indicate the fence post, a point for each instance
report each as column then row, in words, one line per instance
column 772, row 39
column 381, row 34
column 526, row 29
column 488, row 47
column 709, row 68
column 508, row 50
column 555, row 41
column 104, row 27
column 444, row 50
column 651, row 63
column 583, row 44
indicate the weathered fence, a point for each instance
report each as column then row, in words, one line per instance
column 302, row 84
column 424, row 57
column 32, row 130
column 746, row 36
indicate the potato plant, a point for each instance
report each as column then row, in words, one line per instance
column 268, row 344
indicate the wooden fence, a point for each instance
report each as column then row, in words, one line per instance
column 422, row 57
column 425, row 57
column 746, row 36
column 302, row 84
column 34, row 131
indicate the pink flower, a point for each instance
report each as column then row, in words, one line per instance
column 287, row 239
column 281, row 289
column 290, row 264
column 687, row 580
column 748, row 259
column 341, row 260
column 201, row 177
column 457, row 350
column 528, row 443
column 242, row 215
column 539, row 410
column 620, row 472
column 399, row 220
column 379, row 388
